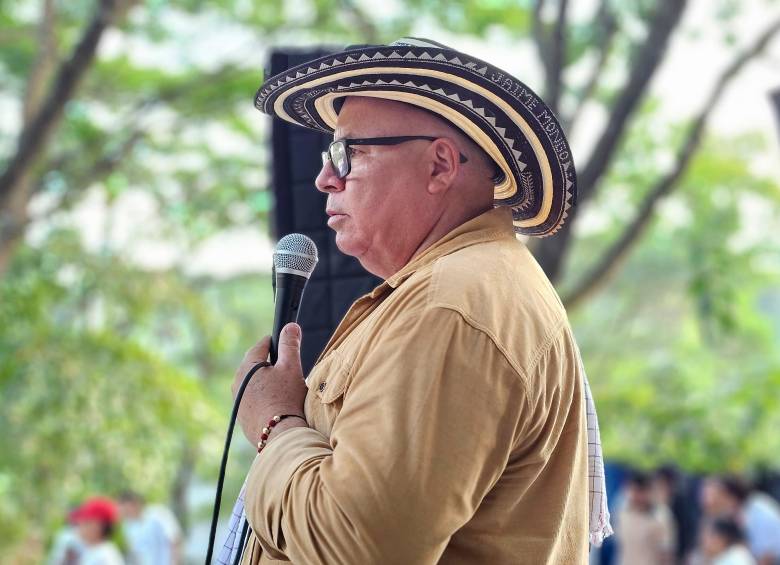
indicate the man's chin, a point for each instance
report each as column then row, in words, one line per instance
column 347, row 245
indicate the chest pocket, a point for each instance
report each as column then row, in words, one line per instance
column 327, row 382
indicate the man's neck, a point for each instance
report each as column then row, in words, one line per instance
column 444, row 224
column 442, row 227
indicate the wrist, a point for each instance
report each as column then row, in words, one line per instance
column 276, row 425
column 285, row 425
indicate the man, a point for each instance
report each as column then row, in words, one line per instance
column 671, row 489
column 153, row 534
column 645, row 527
column 757, row 513
column 445, row 422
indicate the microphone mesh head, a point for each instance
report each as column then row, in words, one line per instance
column 295, row 253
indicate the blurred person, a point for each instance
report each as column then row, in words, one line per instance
column 722, row 543
column 645, row 528
column 95, row 521
column 669, row 490
column 152, row 532
column 756, row 512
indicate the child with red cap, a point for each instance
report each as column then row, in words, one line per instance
column 95, row 520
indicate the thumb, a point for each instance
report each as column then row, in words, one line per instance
column 289, row 350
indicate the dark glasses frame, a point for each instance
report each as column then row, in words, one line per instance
column 341, row 150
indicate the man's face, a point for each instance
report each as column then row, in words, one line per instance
column 715, row 500
column 129, row 509
column 381, row 208
column 639, row 496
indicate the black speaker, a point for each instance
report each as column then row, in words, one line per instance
column 300, row 208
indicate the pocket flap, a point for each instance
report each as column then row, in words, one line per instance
column 330, row 378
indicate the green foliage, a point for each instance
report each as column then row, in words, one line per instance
column 478, row 17
column 108, row 373
column 118, row 371
column 691, row 377
column 73, row 377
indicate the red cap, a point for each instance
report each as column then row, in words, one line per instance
column 97, row 508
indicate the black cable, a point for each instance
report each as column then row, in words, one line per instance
column 223, row 465
column 241, row 543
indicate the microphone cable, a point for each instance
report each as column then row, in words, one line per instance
column 223, row 465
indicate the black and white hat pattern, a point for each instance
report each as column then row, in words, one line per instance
column 497, row 111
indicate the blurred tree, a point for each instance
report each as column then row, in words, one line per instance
column 682, row 347
column 107, row 377
column 106, row 127
column 627, row 40
column 87, row 407
column 134, row 93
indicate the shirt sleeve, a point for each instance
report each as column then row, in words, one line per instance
column 763, row 525
column 167, row 522
column 426, row 429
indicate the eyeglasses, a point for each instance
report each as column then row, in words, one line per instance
column 339, row 156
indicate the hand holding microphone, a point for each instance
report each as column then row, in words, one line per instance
column 279, row 388
column 276, row 389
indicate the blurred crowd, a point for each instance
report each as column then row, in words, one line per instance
column 660, row 518
column 664, row 519
column 123, row 532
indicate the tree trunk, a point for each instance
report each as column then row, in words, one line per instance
column 181, row 485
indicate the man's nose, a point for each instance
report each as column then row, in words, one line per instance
column 327, row 180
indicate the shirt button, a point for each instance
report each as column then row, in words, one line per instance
column 321, row 387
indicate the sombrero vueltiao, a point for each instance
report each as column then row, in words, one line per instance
column 502, row 115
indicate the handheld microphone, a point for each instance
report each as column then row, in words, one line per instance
column 295, row 257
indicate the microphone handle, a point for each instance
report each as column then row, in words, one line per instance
column 289, row 291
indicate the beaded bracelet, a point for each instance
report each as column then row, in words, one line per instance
column 271, row 423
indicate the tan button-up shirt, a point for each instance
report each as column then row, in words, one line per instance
column 447, row 422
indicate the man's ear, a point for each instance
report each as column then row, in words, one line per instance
column 446, row 164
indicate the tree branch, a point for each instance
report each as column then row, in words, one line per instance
column 613, row 257
column 43, row 120
column 557, row 59
column 15, row 208
column 43, row 65
column 539, row 33
column 367, row 28
column 109, row 162
column 100, row 170
column 606, row 23
column 551, row 251
column 643, row 67
column 35, row 135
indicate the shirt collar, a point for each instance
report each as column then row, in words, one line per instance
column 488, row 226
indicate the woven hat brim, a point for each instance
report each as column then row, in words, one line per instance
column 505, row 118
